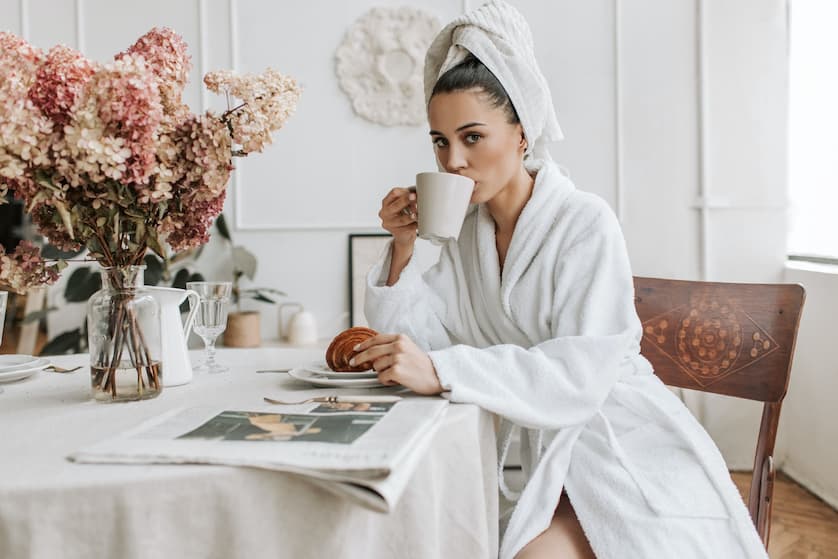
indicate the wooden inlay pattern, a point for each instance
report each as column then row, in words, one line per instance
column 710, row 338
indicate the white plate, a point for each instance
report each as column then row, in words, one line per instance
column 322, row 380
column 15, row 362
column 321, row 368
column 23, row 372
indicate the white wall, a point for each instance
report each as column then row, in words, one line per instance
column 809, row 418
column 674, row 112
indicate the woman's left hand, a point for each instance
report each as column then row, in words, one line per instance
column 398, row 360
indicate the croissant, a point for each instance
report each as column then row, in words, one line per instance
column 340, row 350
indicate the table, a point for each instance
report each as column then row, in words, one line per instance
column 50, row 507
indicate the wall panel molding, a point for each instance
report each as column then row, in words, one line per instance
column 24, row 19
column 235, row 179
column 620, row 203
column 203, row 49
column 701, row 155
column 79, row 25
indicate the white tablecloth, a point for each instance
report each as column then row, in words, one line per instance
column 52, row 508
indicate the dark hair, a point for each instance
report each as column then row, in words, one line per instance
column 473, row 74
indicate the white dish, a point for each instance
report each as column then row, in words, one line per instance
column 15, row 362
column 322, row 369
column 23, row 372
column 317, row 379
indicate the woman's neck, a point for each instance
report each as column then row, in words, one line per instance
column 507, row 205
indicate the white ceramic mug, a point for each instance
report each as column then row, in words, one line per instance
column 442, row 201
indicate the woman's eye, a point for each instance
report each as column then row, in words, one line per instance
column 472, row 138
column 440, row 142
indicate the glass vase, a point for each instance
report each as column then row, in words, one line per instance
column 123, row 330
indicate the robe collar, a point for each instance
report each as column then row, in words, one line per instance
column 537, row 218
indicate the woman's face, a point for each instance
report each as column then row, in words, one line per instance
column 474, row 139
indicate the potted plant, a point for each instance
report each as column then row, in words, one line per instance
column 243, row 325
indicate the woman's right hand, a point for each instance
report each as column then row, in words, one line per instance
column 399, row 214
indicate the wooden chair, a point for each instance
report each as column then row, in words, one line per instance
column 727, row 338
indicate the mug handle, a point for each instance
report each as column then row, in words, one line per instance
column 194, row 304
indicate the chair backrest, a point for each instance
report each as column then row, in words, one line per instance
column 735, row 339
column 729, row 338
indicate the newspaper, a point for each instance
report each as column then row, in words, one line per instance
column 366, row 450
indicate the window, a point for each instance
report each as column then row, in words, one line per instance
column 813, row 129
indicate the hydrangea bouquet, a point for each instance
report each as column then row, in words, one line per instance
column 108, row 157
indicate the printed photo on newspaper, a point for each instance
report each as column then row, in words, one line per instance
column 321, row 425
column 363, row 450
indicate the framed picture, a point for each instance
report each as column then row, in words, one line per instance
column 364, row 250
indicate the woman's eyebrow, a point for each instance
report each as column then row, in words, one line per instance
column 463, row 127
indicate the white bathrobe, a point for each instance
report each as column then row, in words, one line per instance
column 552, row 345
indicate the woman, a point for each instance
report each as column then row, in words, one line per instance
column 530, row 315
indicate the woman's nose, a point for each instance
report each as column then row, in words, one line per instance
column 455, row 160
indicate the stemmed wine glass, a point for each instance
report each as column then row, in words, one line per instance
column 4, row 296
column 211, row 319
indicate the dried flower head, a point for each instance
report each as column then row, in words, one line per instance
column 58, row 82
column 23, row 130
column 25, row 268
column 165, row 53
column 113, row 129
column 267, row 101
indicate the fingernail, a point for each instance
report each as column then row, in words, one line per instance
column 357, row 347
column 411, row 196
column 352, row 362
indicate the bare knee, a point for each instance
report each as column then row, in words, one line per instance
column 563, row 539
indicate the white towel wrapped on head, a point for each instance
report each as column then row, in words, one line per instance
column 498, row 35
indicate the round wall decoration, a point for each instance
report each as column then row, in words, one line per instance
column 380, row 64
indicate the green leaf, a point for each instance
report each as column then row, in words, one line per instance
column 65, row 217
column 153, row 269
column 272, row 290
column 184, row 307
column 187, row 255
column 154, row 244
column 245, row 261
column 181, row 278
column 53, row 253
column 81, row 285
column 221, row 224
column 36, row 316
column 63, row 343
column 259, row 297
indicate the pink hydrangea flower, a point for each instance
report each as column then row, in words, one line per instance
column 58, row 82
column 188, row 226
column 25, row 268
column 165, row 53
